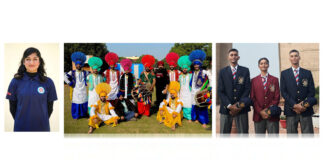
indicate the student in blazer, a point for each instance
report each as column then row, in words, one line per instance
column 234, row 90
column 265, row 95
column 297, row 88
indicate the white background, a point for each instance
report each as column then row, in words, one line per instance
column 156, row 21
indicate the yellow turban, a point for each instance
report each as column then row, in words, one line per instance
column 174, row 88
column 103, row 89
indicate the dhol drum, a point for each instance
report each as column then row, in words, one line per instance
column 142, row 93
column 203, row 98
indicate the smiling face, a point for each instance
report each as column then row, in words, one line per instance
column 31, row 63
column 95, row 71
column 264, row 65
column 233, row 57
column 185, row 70
column 294, row 58
column 78, row 67
column 173, row 95
column 196, row 67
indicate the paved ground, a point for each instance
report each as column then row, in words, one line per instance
column 282, row 131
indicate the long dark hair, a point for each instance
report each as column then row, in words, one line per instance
column 22, row 69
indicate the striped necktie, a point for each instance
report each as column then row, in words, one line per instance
column 264, row 82
column 296, row 72
column 234, row 73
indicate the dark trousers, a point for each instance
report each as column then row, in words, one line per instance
column 266, row 126
column 306, row 124
column 241, row 122
column 159, row 96
column 129, row 115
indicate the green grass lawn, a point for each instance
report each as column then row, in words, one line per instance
column 144, row 125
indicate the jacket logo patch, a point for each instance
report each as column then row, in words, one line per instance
column 41, row 90
column 241, row 80
column 272, row 88
column 305, row 82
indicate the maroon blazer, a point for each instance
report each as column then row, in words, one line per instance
column 264, row 98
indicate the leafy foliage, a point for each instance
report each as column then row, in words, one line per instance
column 95, row 49
column 187, row 48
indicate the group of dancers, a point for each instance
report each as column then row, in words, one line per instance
column 116, row 95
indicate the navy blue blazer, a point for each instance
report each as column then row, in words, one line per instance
column 293, row 93
column 231, row 91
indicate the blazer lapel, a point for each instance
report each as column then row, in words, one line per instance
column 229, row 73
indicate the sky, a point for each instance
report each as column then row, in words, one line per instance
column 158, row 50
column 250, row 53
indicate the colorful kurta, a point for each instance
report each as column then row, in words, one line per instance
column 77, row 80
column 93, row 81
column 185, row 94
column 197, row 81
column 104, row 112
column 112, row 78
column 170, row 107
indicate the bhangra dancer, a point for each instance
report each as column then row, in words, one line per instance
column 172, row 58
column 77, row 80
column 170, row 109
column 102, row 110
column 93, row 80
column 112, row 75
column 147, row 78
column 199, row 77
column 185, row 89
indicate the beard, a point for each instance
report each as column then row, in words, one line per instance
column 103, row 99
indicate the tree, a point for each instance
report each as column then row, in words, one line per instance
column 187, row 48
column 95, row 49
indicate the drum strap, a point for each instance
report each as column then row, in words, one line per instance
column 146, row 76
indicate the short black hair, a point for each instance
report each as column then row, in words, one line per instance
column 263, row 58
column 233, row 50
column 294, row 50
